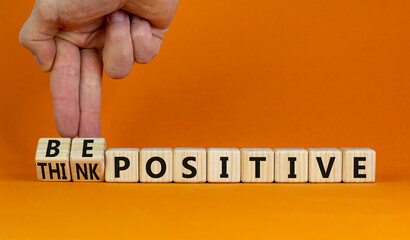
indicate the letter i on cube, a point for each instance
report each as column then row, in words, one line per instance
column 224, row 165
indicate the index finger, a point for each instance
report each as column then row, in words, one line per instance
column 64, row 84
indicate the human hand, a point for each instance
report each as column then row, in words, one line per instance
column 74, row 38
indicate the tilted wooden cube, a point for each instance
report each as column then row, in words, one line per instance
column 189, row 165
column 87, row 159
column 325, row 165
column 53, row 159
column 291, row 165
column 359, row 164
column 122, row 165
column 156, row 165
column 224, row 165
column 257, row 165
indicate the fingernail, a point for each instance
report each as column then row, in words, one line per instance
column 135, row 18
column 44, row 68
column 118, row 16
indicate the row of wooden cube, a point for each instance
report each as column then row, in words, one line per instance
column 60, row 159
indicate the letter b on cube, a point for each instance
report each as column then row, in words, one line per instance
column 53, row 159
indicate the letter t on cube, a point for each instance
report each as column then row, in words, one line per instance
column 257, row 165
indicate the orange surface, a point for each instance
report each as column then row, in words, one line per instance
column 230, row 74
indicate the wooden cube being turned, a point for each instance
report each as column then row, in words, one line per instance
column 359, row 164
column 87, row 159
column 291, row 165
column 156, row 165
column 257, row 165
column 224, row 165
column 122, row 165
column 53, row 159
column 325, row 165
column 189, row 165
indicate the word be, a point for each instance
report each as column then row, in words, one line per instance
column 60, row 159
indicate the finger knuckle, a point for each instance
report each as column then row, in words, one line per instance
column 23, row 38
column 47, row 11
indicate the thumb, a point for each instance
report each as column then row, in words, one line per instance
column 38, row 34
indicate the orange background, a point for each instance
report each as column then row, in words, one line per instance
column 230, row 74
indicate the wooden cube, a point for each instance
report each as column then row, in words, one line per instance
column 156, row 165
column 189, row 165
column 257, row 165
column 53, row 159
column 87, row 159
column 122, row 165
column 291, row 165
column 224, row 165
column 325, row 165
column 359, row 164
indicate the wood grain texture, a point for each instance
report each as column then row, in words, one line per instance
column 195, row 157
column 215, row 162
column 55, row 166
column 283, row 162
column 87, row 159
column 118, row 169
column 319, row 168
column 249, row 171
column 364, row 158
column 150, row 159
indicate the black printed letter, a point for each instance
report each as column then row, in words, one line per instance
column 292, row 161
column 51, row 147
column 257, row 161
column 224, row 161
column 92, row 171
column 83, row 172
column 86, row 147
column 51, row 170
column 42, row 165
column 163, row 167
column 357, row 167
column 117, row 165
column 189, row 167
column 325, row 173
